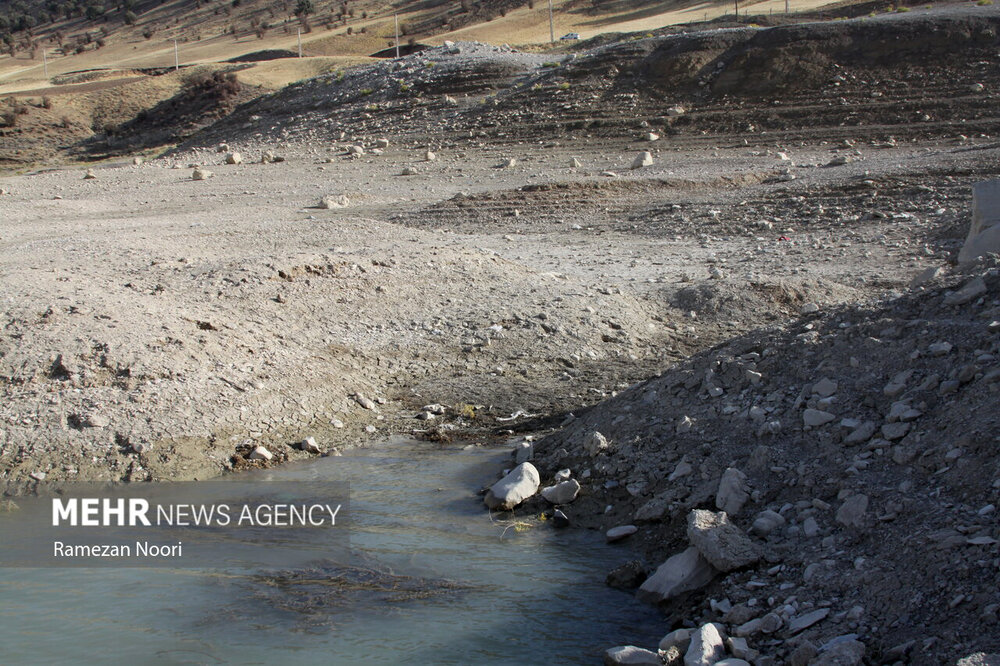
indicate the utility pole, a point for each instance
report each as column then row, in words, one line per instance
column 298, row 31
column 737, row 8
column 177, row 59
column 395, row 17
column 45, row 65
column 552, row 24
column 787, row 8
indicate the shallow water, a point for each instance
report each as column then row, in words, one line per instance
column 492, row 596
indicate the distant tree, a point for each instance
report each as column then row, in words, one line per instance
column 305, row 8
column 129, row 18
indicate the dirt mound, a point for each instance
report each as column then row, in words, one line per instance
column 262, row 56
column 870, row 431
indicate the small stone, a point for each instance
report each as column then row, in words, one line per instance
column 809, row 308
column 766, row 522
column 895, row 431
column 940, row 348
column 803, row 622
column 89, row 175
column 409, row 171
column 201, row 174
column 682, row 469
column 852, row 512
column 815, row 417
column 559, row 519
column 652, row 136
column 367, row 403
column 261, row 453
column 136, row 161
column 430, row 156
column 643, row 159
column 861, row 434
column 620, row 532
column 628, row 576
column 355, row 151
column 234, row 158
column 675, row 111
column 37, row 476
column 825, row 387
column 574, row 163
column 382, row 143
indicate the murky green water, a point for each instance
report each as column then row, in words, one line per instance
column 450, row 589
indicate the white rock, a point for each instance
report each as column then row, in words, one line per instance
column 732, row 493
column 260, row 453
column 643, row 159
column 309, row 445
column 652, row 136
column 430, row 156
column 201, row 174
column 89, row 175
column 365, row 402
column 681, row 573
column 234, row 158
column 984, row 232
column 631, row 655
column 514, row 488
column 562, row 493
column 355, row 150
column 675, row 111
column 707, row 647
column 574, row 163
column 335, row 201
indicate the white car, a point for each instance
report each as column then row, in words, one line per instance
column 570, row 36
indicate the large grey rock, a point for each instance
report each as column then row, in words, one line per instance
column 969, row 292
column 514, row 488
column 732, row 493
column 841, row 653
column 722, row 543
column 980, row 659
column 629, row 654
column 984, row 232
column 620, row 532
column 681, row 573
column 816, row 417
column 707, row 647
column 562, row 493
column 766, row 522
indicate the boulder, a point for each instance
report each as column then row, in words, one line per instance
column 706, row 648
column 984, row 232
column 562, row 493
column 309, row 445
column 681, row 573
column 234, row 158
column 732, row 493
column 852, row 512
column 723, row 544
column 514, row 488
